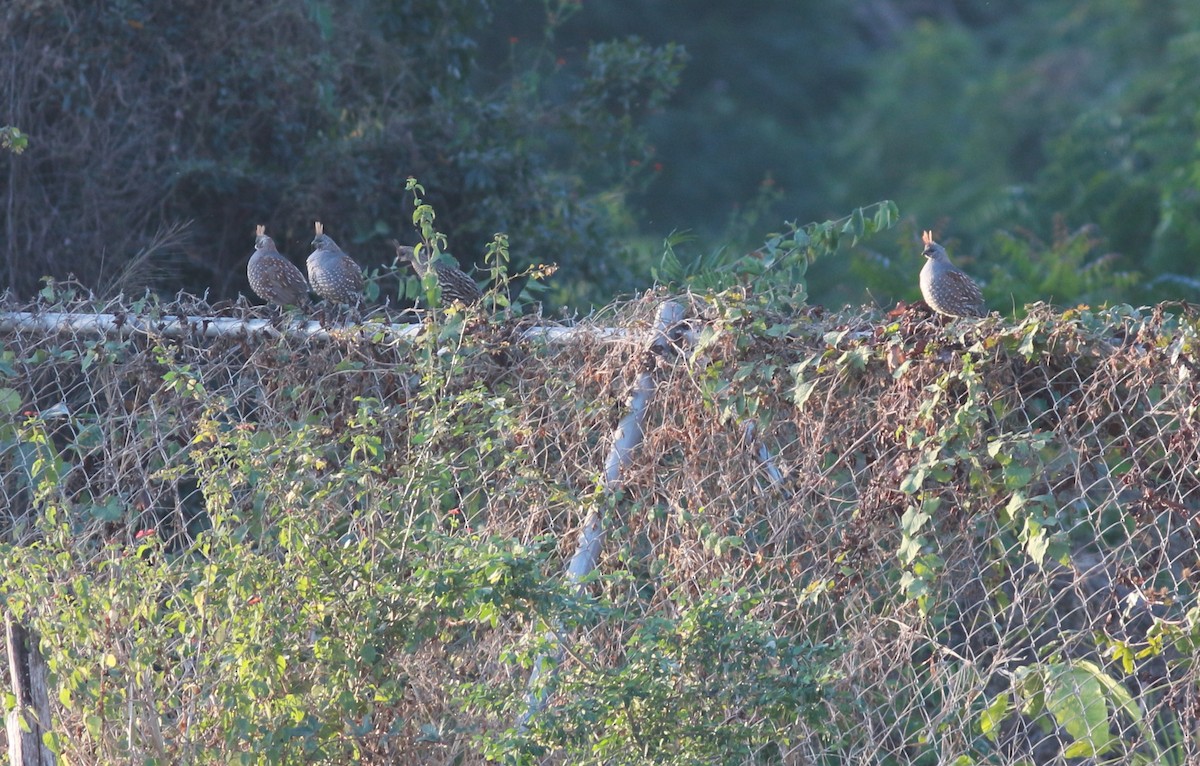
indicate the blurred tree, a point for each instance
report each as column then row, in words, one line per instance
column 1131, row 162
column 749, row 106
column 238, row 113
column 985, row 126
column 551, row 121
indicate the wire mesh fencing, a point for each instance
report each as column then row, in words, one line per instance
column 843, row 538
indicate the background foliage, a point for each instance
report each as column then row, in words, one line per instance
column 143, row 116
column 158, row 135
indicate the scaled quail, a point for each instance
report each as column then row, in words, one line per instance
column 947, row 290
column 456, row 286
column 333, row 274
column 272, row 277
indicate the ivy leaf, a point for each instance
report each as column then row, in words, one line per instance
column 914, row 481
column 1075, row 697
column 994, row 715
column 803, row 390
column 1017, row 476
column 10, row 401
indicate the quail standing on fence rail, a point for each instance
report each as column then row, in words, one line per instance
column 456, row 286
column 334, row 275
column 272, row 277
column 948, row 290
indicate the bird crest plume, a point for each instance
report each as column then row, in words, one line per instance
column 418, row 255
column 320, row 229
column 401, row 250
column 260, row 230
column 927, row 237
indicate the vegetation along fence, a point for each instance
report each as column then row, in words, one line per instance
column 794, row 537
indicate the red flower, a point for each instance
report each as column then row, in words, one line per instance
column 144, row 533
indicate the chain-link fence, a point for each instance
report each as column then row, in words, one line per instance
column 843, row 538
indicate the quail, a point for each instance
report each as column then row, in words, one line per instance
column 948, row 290
column 456, row 286
column 272, row 277
column 333, row 274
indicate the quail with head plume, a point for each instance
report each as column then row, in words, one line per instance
column 948, row 290
column 334, row 275
column 455, row 285
column 272, row 277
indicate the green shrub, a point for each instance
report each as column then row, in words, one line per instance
column 145, row 117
